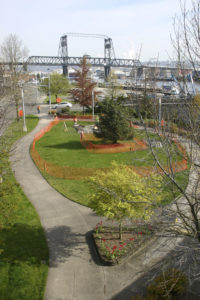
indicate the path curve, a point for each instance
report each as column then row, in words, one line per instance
column 73, row 274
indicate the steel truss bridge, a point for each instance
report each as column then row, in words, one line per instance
column 107, row 62
column 76, row 61
column 65, row 60
column 134, row 64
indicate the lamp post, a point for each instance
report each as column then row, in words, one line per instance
column 159, row 114
column 49, row 87
column 93, row 104
column 24, row 115
column 37, row 90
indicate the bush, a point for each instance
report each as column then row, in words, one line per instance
column 65, row 110
column 151, row 123
column 130, row 135
column 53, row 112
column 169, row 285
column 173, row 128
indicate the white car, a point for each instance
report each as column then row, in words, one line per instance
column 61, row 105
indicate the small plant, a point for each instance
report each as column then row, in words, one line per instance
column 111, row 248
column 169, row 285
column 151, row 123
column 112, row 252
column 52, row 112
column 98, row 227
column 65, row 110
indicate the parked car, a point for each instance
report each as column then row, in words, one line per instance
column 61, row 105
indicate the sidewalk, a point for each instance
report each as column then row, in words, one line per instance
column 75, row 272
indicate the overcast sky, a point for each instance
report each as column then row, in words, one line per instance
column 132, row 24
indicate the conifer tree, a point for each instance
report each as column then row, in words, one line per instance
column 113, row 124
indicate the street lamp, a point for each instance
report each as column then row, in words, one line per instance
column 37, row 90
column 93, row 104
column 49, row 87
column 24, row 115
column 159, row 113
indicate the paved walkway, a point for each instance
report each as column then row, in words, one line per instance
column 74, row 271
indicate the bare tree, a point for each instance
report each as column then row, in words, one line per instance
column 186, row 42
column 178, row 223
column 179, row 137
column 12, row 52
column 2, row 81
column 186, row 35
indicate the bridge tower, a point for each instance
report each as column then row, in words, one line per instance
column 63, row 52
column 109, row 53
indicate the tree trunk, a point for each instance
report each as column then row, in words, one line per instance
column 120, row 231
column 17, row 110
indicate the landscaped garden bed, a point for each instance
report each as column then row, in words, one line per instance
column 95, row 145
column 112, row 250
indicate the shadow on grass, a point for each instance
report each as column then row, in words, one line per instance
column 74, row 145
column 23, row 243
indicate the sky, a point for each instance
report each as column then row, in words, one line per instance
column 138, row 28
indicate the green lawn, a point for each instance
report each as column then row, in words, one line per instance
column 24, row 252
column 64, row 148
column 78, row 190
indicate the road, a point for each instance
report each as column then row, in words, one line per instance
column 32, row 98
column 8, row 108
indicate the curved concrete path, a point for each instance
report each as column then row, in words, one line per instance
column 73, row 273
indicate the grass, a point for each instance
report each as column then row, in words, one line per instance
column 64, row 148
column 78, row 190
column 15, row 130
column 24, row 252
column 75, row 190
